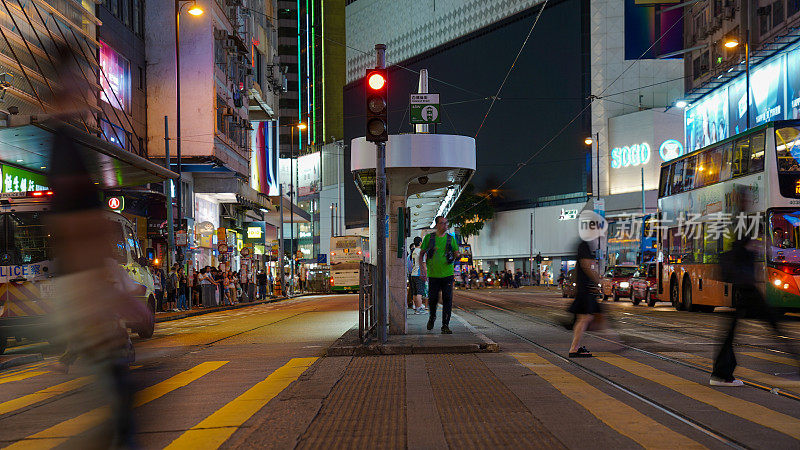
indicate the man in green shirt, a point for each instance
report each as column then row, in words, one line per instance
column 436, row 262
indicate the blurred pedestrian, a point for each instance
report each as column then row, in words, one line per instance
column 96, row 297
column 157, row 288
column 585, row 306
column 518, row 278
column 436, row 262
column 739, row 268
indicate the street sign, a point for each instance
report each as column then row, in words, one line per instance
column 245, row 252
column 222, row 248
column 116, row 203
column 425, row 109
column 181, row 238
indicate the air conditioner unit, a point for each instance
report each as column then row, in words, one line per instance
column 220, row 34
column 227, row 111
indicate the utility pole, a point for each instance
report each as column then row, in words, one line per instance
column 380, row 194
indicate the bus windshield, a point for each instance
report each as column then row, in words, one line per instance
column 784, row 231
column 23, row 239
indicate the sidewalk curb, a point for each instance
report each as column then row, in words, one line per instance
column 20, row 360
column 202, row 311
column 348, row 345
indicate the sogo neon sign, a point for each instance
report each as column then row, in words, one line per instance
column 630, row 156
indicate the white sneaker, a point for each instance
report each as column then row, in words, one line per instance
column 719, row 382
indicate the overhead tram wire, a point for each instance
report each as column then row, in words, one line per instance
column 510, row 69
column 580, row 113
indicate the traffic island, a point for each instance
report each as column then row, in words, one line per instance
column 9, row 361
column 418, row 340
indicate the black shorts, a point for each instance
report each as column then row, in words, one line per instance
column 417, row 285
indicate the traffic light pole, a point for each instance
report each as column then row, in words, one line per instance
column 380, row 197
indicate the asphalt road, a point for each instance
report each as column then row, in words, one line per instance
column 199, row 365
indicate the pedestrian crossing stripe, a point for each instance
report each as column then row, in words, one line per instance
column 62, row 432
column 732, row 405
column 620, row 416
column 215, row 429
column 754, row 376
column 42, row 395
column 774, row 358
column 21, row 376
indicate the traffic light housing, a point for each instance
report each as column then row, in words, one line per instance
column 377, row 124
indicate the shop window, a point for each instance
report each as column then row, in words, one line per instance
column 741, row 157
column 757, row 152
column 689, row 173
column 677, row 178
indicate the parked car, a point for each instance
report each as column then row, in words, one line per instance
column 643, row 285
column 568, row 286
column 616, row 282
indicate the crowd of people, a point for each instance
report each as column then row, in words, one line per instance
column 177, row 290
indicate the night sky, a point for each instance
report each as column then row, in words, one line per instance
column 543, row 93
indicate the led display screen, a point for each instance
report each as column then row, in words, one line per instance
column 115, row 78
column 707, row 120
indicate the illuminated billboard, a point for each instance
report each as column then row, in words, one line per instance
column 767, row 91
column 793, row 84
column 707, row 120
column 115, row 78
column 263, row 173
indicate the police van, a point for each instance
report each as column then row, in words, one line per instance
column 27, row 273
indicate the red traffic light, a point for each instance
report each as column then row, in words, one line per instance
column 376, row 81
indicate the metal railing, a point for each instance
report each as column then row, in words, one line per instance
column 367, row 314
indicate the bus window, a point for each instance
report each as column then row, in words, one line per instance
column 663, row 182
column 787, row 147
column 689, row 173
column 784, row 230
column 711, row 247
column 708, row 167
column 741, row 156
column 677, row 178
column 23, row 239
column 757, row 152
column 727, row 161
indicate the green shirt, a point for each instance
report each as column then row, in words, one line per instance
column 437, row 264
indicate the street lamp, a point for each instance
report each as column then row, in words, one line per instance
column 733, row 43
column 589, row 141
column 194, row 10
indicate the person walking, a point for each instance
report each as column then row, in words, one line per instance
column 158, row 288
column 585, row 306
column 436, row 263
column 182, row 287
column 261, row 279
column 172, row 288
column 417, row 281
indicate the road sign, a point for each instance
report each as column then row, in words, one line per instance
column 245, row 252
column 425, row 109
column 116, row 203
column 181, row 238
column 222, row 248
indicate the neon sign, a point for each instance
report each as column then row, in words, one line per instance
column 670, row 149
column 630, row 156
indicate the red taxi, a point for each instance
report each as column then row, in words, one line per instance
column 616, row 282
column 644, row 285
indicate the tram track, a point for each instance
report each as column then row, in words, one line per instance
column 772, row 389
column 672, row 412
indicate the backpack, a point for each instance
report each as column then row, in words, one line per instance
column 448, row 250
column 172, row 279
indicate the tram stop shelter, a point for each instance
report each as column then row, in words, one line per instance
column 425, row 172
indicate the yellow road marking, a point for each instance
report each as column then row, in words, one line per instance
column 773, row 358
column 44, row 394
column 21, row 376
column 60, row 433
column 215, row 429
column 621, row 417
column 747, row 410
column 741, row 372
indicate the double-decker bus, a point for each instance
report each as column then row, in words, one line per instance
column 749, row 183
column 347, row 252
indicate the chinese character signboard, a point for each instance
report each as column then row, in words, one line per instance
column 20, row 180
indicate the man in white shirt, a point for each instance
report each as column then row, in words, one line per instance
column 417, row 280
